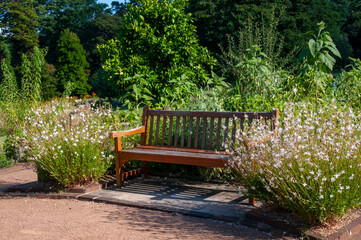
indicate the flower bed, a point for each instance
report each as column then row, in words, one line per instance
column 312, row 168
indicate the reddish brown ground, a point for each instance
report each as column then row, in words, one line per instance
column 28, row 218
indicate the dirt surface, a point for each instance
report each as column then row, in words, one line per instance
column 27, row 218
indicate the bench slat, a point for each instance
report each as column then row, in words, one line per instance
column 143, row 138
column 197, row 133
column 202, row 114
column 190, row 132
column 170, row 131
column 226, row 130
column 157, row 131
column 234, row 129
column 210, row 144
column 150, row 130
column 163, row 129
column 183, row 130
column 176, row 132
column 219, row 127
column 204, row 130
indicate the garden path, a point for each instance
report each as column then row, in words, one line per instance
column 24, row 218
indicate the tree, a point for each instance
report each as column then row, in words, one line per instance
column 21, row 20
column 156, row 53
column 71, row 63
column 57, row 15
column 98, row 31
column 219, row 18
column 353, row 26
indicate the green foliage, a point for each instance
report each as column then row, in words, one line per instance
column 9, row 89
column 71, row 63
column 348, row 86
column 76, row 15
column 264, row 35
column 352, row 26
column 260, row 83
column 31, row 74
column 22, row 20
column 318, row 52
column 157, row 42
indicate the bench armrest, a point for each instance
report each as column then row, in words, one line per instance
column 119, row 134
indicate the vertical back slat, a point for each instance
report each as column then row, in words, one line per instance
column 163, row 129
column 150, row 130
column 204, row 131
column 211, row 134
column 190, row 132
column 242, row 124
column 157, row 130
column 170, row 131
column 176, row 132
column 183, row 130
column 197, row 133
column 219, row 126
column 234, row 129
column 225, row 130
column 143, row 138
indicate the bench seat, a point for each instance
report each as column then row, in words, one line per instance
column 176, row 155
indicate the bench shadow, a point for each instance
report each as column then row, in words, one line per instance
column 161, row 191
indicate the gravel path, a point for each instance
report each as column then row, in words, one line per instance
column 27, row 218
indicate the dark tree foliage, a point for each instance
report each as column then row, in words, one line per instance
column 57, row 15
column 98, row 31
column 215, row 19
column 353, row 26
column 71, row 63
column 20, row 22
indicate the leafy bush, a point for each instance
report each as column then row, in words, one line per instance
column 311, row 168
column 156, row 55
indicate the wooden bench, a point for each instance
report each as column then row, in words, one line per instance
column 185, row 137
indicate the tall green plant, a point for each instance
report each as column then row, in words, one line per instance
column 318, row 53
column 8, row 86
column 31, row 70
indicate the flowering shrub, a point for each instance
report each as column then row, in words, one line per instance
column 312, row 167
column 68, row 140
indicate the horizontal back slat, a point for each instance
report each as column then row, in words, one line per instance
column 209, row 114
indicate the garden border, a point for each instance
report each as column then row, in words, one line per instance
column 352, row 229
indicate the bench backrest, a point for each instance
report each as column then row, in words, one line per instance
column 198, row 129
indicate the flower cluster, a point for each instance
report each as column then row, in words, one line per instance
column 68, row 140
column 312, row 167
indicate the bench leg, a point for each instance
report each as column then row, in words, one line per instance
column 144, row 166
column 252, row 201
column 119, row 170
